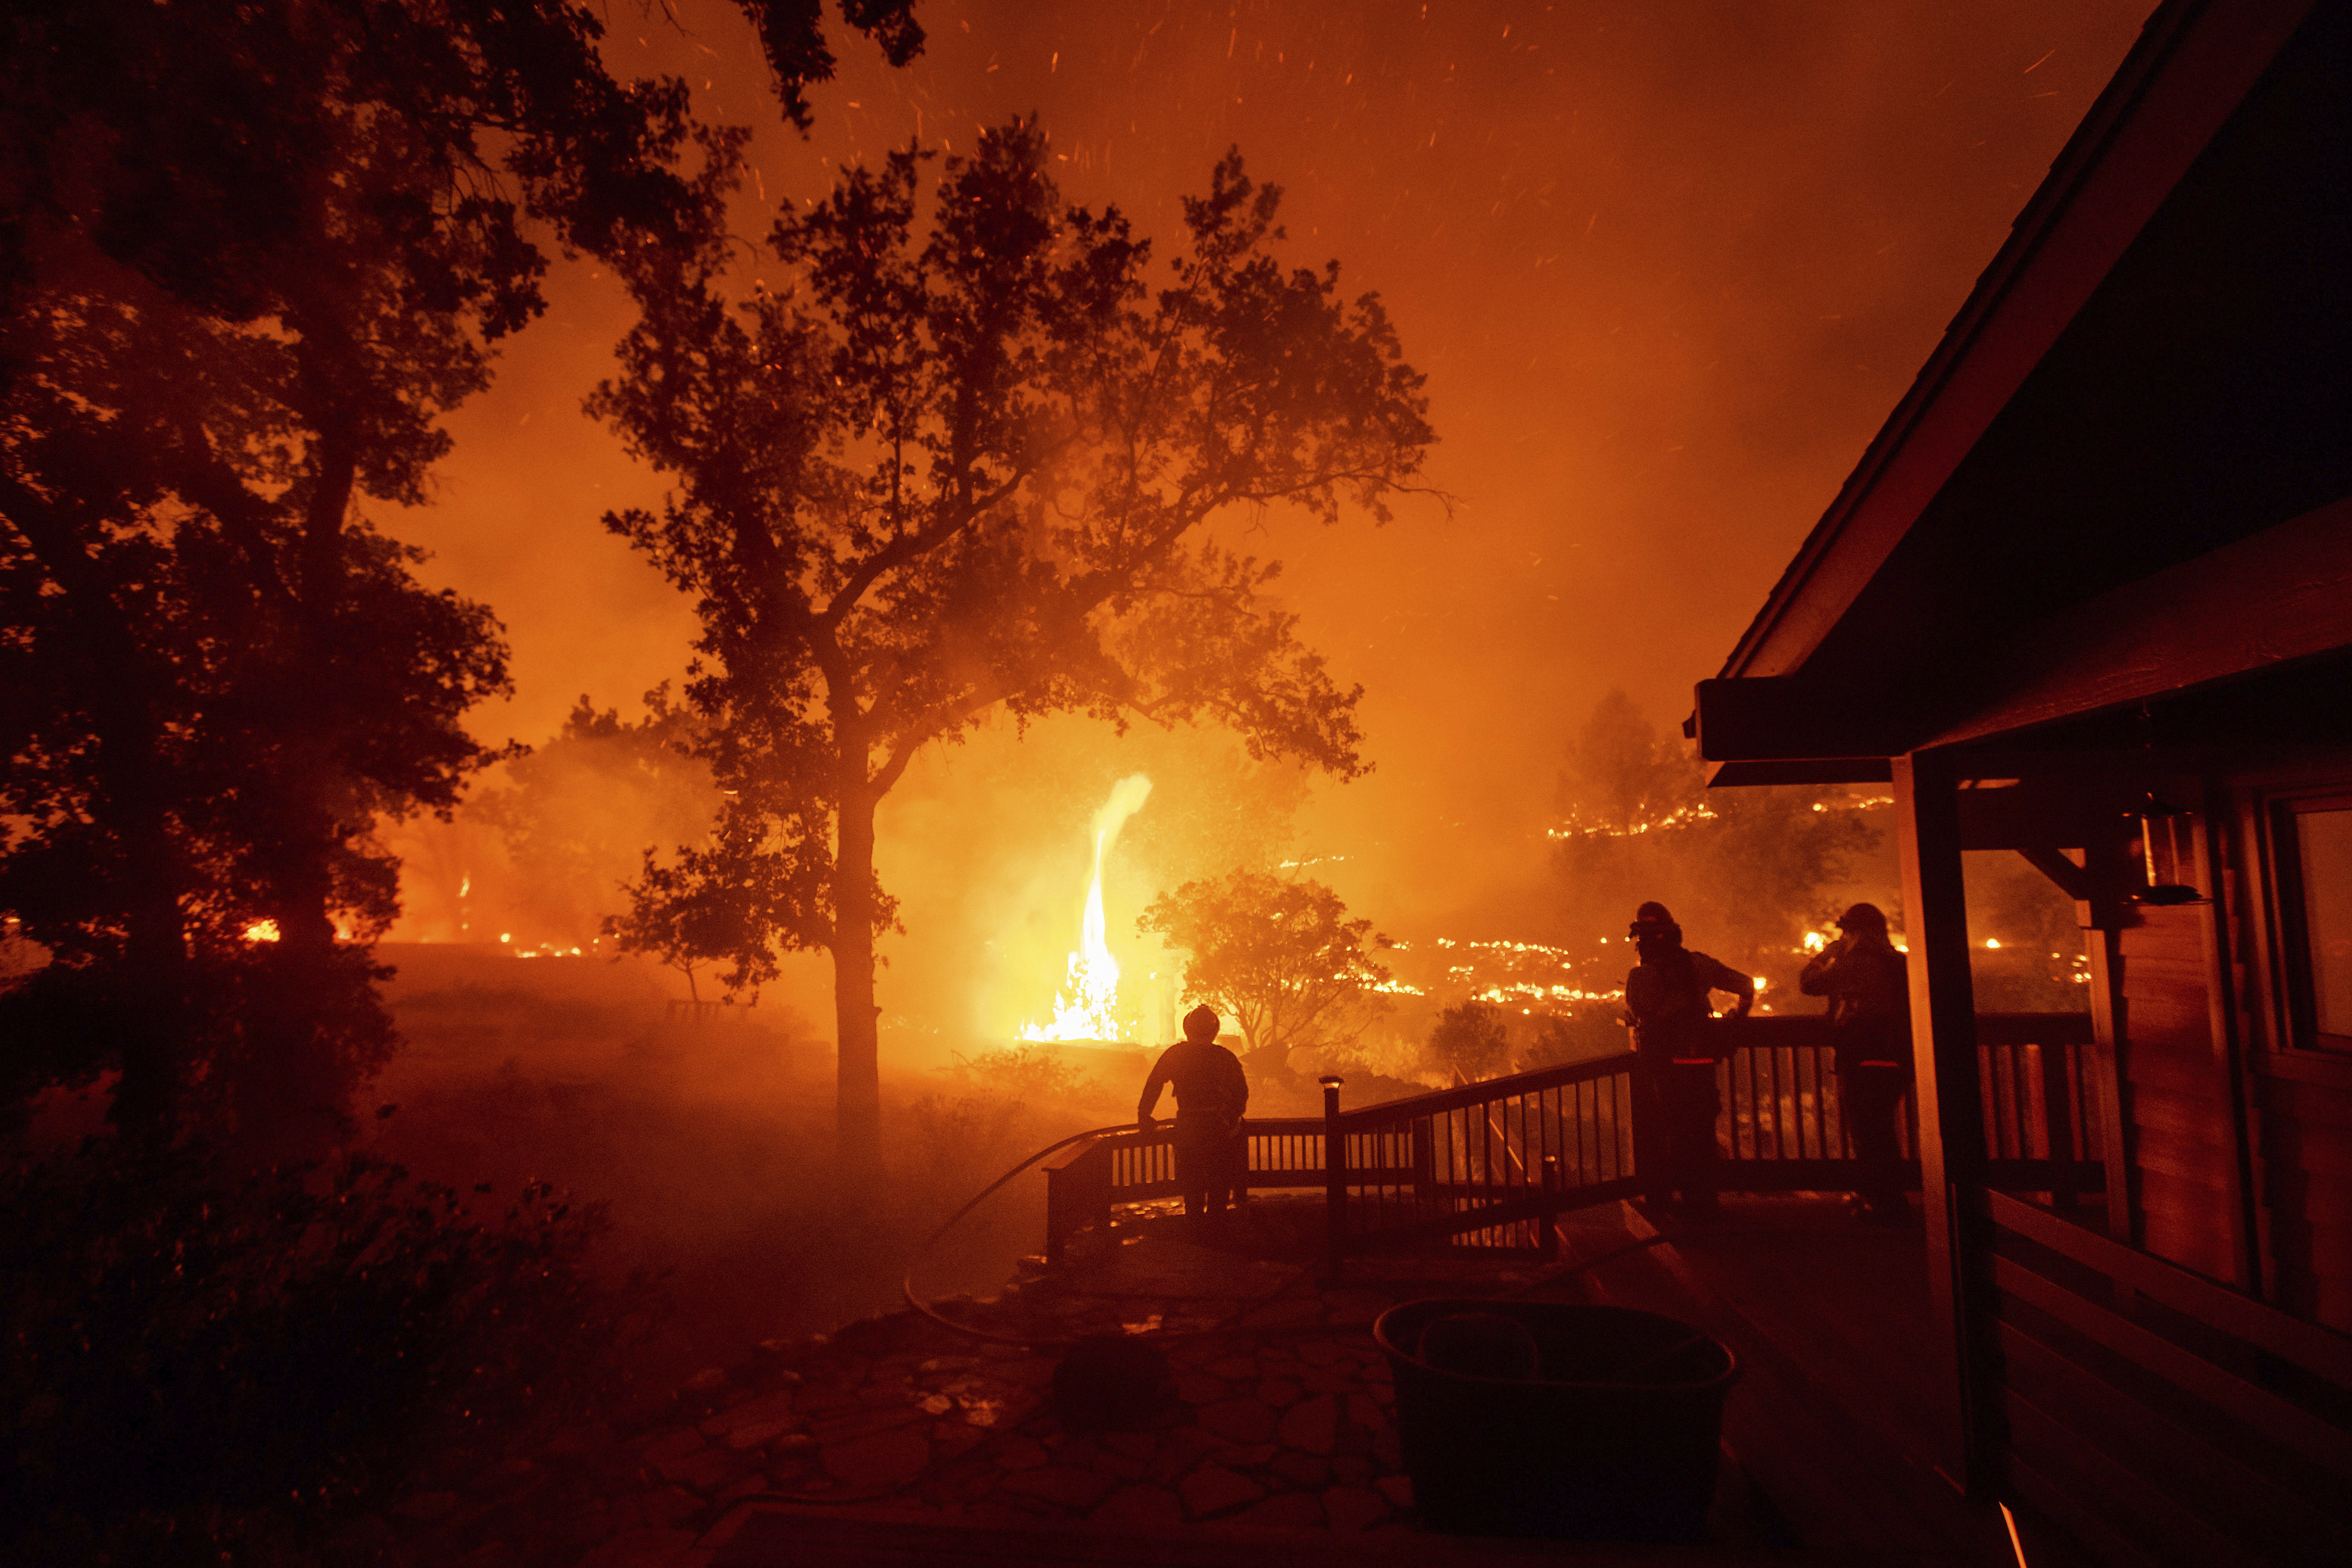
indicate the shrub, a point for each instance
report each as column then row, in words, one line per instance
column 1586, row 1031
column 1027, row 1074
column 1007, row 1102
column 208, row 1367
column 1471, row 1040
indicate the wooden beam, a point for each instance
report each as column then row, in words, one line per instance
column 1779, row 718
column 2283, row 595
column 2045, row 809
column 1800, row 771
column 1335, row 1180
column 2106, row 867
column 2070, row 879
column 1948, row 1097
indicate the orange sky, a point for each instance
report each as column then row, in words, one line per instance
column 1668, row 266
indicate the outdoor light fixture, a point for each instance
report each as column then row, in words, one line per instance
column 2162, row 863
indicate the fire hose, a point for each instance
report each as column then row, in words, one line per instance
column 907, row 1285
column 1038, row 1342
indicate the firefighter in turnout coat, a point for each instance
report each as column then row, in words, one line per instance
column 1668, row 1000
column 1211, row 1095
column 1869, row 989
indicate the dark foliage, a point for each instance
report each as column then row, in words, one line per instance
column 1472, row 1039
column 580, row 812
column 1277, row 955
column 200, row 1367
column 249, row 255
column 1580, row 1033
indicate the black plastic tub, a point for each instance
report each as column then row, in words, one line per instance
column 1614, row 1437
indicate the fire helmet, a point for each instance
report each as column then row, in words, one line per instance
column 1202, row 1024
column 1652, row 921
column 1864, row 917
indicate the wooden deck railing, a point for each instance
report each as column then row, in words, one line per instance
column 1497, row 1153
column 1783, row 1128
column 1494, row 1163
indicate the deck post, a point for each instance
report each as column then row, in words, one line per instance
column 1948, row 1093
column 1547, row 1238
column 2213, row 829
column 1335, row 1178
column 2106, row 872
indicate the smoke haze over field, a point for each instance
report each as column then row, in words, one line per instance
column 1666, row 268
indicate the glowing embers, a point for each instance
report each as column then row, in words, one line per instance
column 1087, row 1007
column 263, row 931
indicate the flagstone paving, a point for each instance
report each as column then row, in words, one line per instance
column 1284, row 1415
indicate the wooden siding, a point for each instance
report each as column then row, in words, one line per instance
column 2306, row 1153
column 2299, row 1101
column 2176, row 1097
column 2160, row 1418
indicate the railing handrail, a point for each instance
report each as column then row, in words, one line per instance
column 1079, row 1151
column 1813, row 1029
column 1366, row 1118
column 1087, row 1178
column 1992, row 1028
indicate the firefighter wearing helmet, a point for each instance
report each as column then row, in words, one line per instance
column 1211, row 1097
column 1869, row 989
column 1668, row 1000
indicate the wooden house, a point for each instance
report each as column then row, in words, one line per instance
column 2087, row 598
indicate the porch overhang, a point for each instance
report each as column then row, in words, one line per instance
column 2132, row 433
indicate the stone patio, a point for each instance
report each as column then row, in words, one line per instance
column 1283, row 1417
column 1282, row 1432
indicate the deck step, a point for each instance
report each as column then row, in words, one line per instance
column 768, row 1536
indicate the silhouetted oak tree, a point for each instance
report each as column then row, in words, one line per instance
column 249, row 254
column 1279, row 957
column 963, row 457
column 1620, row 776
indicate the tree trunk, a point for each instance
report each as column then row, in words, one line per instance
column 290, row 1099
column 858, row 1093
column 154, row 1045
column 290, row 1094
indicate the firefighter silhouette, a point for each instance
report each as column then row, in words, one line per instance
column 1211, row 1095
column 1667, row 999
column 1868, row 985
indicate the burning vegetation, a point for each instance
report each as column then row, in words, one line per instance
column 1089, row 1008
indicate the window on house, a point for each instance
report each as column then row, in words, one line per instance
column 2316, row 855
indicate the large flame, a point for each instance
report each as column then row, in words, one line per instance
column 1086, row 1008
